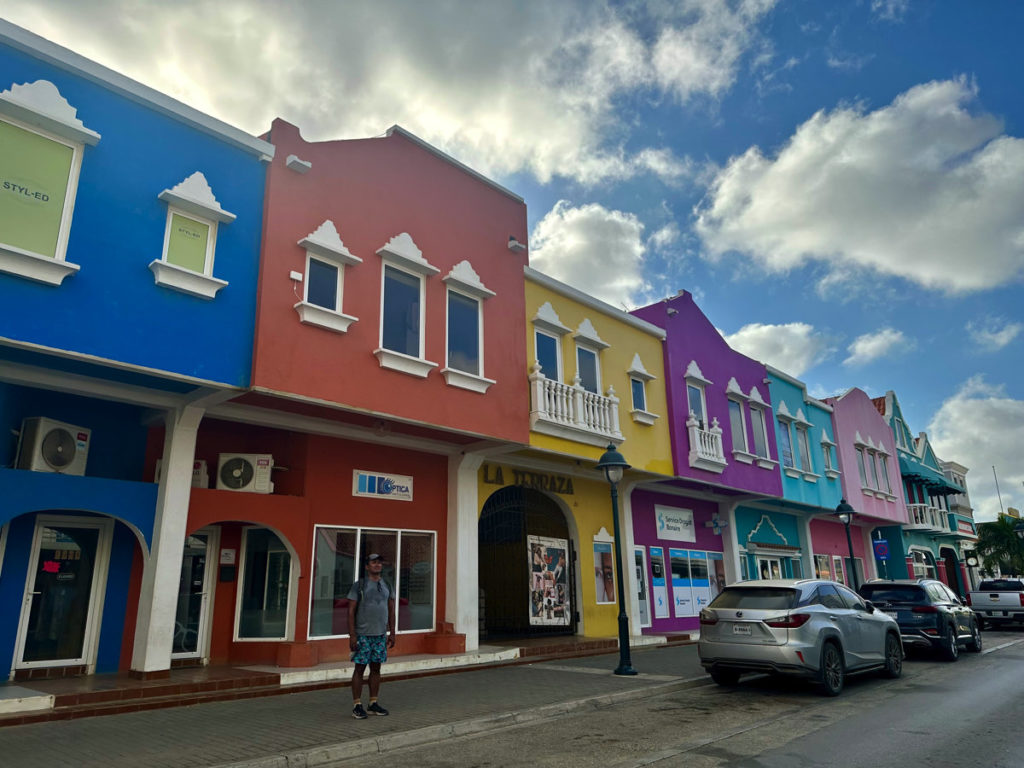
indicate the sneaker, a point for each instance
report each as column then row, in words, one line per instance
column 358, row 712
column 377, row 709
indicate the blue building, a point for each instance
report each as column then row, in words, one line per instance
column 130, row 230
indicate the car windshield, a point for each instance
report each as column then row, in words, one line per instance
column 893, row 593
column 1001, row 585
column 756, row 598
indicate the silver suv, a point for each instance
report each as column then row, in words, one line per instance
column 806, row 627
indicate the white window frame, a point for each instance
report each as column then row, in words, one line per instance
column 324, row 245
column 558, row 352
column 587, row 349
column 588, row 340
column 639, row 374
column 547, row 323
column 735, row 395
column 194, row 200
column 402, row 254
column 827, row 446
column 293, row 584
column 464, row 281
column 883, row 459
column 803, row 440
column 757, row 403
column 39, row 108
column 862, row 467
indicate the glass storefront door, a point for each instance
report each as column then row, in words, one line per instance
column 190, row 623
column 67, row 572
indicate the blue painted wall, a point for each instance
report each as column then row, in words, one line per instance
column 825, row 492
column 787, row 525
column 112, row 308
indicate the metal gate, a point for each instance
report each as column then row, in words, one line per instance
column 508, row 517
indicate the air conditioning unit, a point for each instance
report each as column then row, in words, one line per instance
column 200, row 476
column 247, row 472
column 46, row 445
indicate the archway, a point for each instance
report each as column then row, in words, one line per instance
column 954, row 578
column 526, row 558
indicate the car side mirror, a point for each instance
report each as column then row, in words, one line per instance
column 869, row 606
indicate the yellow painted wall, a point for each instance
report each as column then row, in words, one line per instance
column 590, row 507
column 645, row 447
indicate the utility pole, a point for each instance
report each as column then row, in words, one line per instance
column 1001, row 510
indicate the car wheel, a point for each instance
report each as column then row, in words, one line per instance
column 950, row 648
column 981, row 623
column 974, row 646
column 725, row 676
column 831, row 673
column 893, row 657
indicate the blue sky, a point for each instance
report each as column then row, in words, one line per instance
column 840, row 184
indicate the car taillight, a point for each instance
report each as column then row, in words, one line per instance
column 708, row 618
column 925, row 609
column 969, row 599
column 792, row 621
column 1021, row 596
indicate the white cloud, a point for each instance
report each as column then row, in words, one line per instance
column 980, row 427
column 505, row 87
column 593, row 249
column 873, row 346
column 924, row 188
column 792, row 347
column 665, row 236
column 991, row 334
column 890, row 10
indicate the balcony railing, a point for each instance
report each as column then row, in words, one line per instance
column 572, row 412
column 927, row 518
column 706, row 450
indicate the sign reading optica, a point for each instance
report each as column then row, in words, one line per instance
column 381, row 486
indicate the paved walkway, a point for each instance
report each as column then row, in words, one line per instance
column 316, row 728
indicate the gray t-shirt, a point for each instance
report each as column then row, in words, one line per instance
column 372, row 615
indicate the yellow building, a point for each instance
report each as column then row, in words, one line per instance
column 546, row 545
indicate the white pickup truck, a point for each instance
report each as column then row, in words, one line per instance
column 998, row 601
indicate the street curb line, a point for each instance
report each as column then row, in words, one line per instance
column 375, row 745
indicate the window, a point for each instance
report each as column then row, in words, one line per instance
column 861, row 469
column 899, row 429
column 263, row 599
column 883, row 461
column 41, row 159
column 822, row 568
column 190, row 239
column 466, row 294
column 874, row 470
column 786, row 445
column 463, row 333
column 804, row 446
column 924, row 568
column 695, row 402
column 403, row 287
column 738, row 425
column 326, row 258
column 410, row 566
column 587, row 369
column 760, row 431
column 639, row 391
column 547, row 350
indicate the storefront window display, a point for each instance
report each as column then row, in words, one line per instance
column 697, row 577
column 266, row 580
column 410, row 565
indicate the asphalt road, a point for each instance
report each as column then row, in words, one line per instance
column 965, row 714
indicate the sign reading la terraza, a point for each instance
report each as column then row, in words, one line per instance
column 381, row 486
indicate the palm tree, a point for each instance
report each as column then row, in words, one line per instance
column 1000, row 547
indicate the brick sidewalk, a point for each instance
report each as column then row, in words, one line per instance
column 316, row 726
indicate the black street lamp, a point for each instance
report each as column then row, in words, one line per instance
column 613, row 464
column 845, row 514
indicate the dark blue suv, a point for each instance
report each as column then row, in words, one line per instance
column 930, row 615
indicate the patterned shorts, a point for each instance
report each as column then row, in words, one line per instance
column 371, row 649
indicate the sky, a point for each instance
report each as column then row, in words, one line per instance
column 839, row 184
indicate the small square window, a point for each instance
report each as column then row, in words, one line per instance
column 189, row 242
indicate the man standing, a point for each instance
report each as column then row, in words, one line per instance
column 371, row 614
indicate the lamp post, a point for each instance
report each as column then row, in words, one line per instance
column 845, row 514
column 613, row 464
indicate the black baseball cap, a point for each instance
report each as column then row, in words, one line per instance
column 374, row 556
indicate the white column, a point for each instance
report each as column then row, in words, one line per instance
column 462, row 575
column 731, row 544
column 808, row 549
column 158, row 600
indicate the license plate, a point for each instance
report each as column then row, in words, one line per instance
column 740, row 629
column 892, row 613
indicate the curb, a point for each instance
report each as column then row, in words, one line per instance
column 331, row 753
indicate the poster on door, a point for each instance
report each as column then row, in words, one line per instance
column 604, row 573
column 659, row 584
column 716, row 573
column 550, row 604
column 682, row 595
column 700, row 585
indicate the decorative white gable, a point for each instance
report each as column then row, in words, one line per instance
column 782, row 412
column 195, row 196
column 587, row 333
column 326, row 242
column 464, row 278
column 404, row 251
column 733, row 388
column 693, row 372
column 548, row 320
column 637, row 370
column 755, row 395
column 40, row 104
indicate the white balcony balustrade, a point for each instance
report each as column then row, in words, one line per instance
column 706, row 450
column 926, row 518
column 572, row 412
